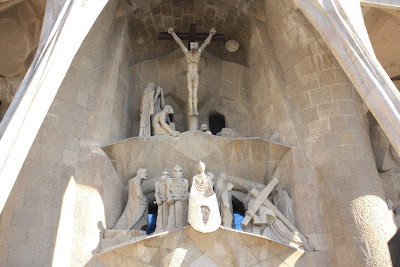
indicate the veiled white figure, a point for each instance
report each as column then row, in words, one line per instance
column 204, row 213
column 135, row 215
column 146, row 110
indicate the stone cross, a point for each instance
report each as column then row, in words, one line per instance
column 191, row 36
column 261, row 198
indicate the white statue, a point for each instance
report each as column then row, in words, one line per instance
column 226, row 206
column 135, row 215
column 160, row 127
column 146, row 110
column 203, row 206
column 192, row 59
column 204, row 129
column 177, row 193
column 161, row 201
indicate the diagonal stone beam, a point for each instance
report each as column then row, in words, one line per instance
column 65, row 26
column 387, row 4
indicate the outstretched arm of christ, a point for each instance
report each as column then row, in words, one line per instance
column 177, row 40
column 208, row 40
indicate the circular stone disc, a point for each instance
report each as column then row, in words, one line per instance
column 232, row 45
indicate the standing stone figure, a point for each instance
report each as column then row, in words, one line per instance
column 135, row 215
column 220, row 187
column 177, row 193
column 159, row 101
column 161, row 201
column 160, row 127
column 211, row 175
column 226, row 206
column 203, row 206
column 246, row 203
column 284, row 204
column 146, row 110
column 192, row 59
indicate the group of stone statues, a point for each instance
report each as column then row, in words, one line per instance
column 154, row 113
column 153, row 110
column 269, row 210
column 171, row 195
column 203, row 206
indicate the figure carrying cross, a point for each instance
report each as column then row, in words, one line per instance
column 193, row 59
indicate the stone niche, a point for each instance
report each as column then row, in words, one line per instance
column 236, row 97
column 222, row 89
column 249, row 164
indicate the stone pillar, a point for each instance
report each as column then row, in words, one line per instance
column 330, row 128
column 193, row 123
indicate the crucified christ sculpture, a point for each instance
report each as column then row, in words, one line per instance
column 193, row 59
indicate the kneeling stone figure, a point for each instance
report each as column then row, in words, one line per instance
column 160, row 127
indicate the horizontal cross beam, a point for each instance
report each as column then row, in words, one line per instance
column 188, row 36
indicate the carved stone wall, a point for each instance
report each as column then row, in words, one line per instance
column 21, row 22
column 340, row 202
column 187, row 247
column 285, row 86
column 67, row 184
column 223, row 88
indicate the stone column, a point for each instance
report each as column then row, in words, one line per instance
column 193, row 122
column 334, row 145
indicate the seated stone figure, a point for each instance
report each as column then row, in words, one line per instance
column 160, row 127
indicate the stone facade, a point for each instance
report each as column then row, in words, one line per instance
column 187, row 247
column 284, row 85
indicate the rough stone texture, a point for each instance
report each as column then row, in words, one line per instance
column 147, row 19
column 187, row 247
column 86, row 113
column 252, row 159
column 20, row 27
column 382, row 26
column 222, row 88
column 293, row 92
column 340, row 197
